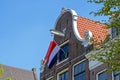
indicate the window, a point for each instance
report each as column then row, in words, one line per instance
column 115, row 31
column 117, row 75
column 63, row 53
column 63, row 76
column 102, row 76
column 79, row 71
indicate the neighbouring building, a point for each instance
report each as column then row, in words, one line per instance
column 18, row 74
column 75, row 38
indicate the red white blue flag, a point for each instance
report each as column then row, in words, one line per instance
column 51, row 56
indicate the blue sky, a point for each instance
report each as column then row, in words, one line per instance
column 25, row 25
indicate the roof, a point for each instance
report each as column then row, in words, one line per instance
column 81, row 25
column 17, row 74
column 99, row 30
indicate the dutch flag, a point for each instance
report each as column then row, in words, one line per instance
column 51, row 56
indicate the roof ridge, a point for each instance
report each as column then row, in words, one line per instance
column 16, row 68
column 91, row 20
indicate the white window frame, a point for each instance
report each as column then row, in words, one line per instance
column 99, row 73
column 103, row 71
column 113, row 76
column 49, row 78
column 74, row 66
column 65, row 70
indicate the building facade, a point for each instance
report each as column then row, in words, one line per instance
column 73, row 63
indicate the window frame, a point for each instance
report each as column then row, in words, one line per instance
column 59, row 62
column 50, row 78
column 99, row 73
column 114, row 32
column 112, row 73
column 75, row 65
column 115, row 75
column 63, row 71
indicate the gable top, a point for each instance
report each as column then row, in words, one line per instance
column 81, row 25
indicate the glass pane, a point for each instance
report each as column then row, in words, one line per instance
column 76, row 78
column 114, row 32
column 117, row 78
column 79, row 68
column 66, row 76
column 102, row 76
column 63, row 76
column 117, row 75
column 116, row 72
column 79, row 71
column 80, row 76
column 76, row 70
column 63, row 53
column 65, row 48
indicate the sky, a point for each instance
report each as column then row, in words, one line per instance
column 25, row 25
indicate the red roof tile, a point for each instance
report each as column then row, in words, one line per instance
column 98, row 30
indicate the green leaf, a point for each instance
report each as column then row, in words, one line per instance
column 1, row 70
column 8, row 79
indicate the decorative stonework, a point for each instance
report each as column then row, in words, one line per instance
column 87, row 38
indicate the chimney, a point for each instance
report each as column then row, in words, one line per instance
column 34, row 73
